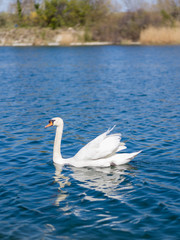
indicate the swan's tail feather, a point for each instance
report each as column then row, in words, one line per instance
column 121, row 147
column 110, row 129
column 124, row 158
column 134, row 154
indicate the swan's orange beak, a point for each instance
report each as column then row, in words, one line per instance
column 50, row 124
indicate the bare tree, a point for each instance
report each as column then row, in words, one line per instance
column 26, row 5
column 168, row 5
column 171, row 7
column 134, row 5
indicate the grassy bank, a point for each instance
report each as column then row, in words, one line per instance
column 161, row 36
column 36, row 36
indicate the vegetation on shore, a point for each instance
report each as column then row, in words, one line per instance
column 162, row 35
column 36, row 36
column 93, row 20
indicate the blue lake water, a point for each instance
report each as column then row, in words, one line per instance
column 92, row 89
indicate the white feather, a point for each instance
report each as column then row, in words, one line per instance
column 102, row 146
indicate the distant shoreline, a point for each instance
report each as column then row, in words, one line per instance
column 26, row 37
column 21, row 37
column 86, row 44
column 54, row 44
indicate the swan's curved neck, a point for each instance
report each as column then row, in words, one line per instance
column 57, row 157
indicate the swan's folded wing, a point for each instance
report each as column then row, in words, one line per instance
column 102, row 146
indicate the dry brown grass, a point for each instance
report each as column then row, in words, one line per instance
column 67, row 37
column 162, row 35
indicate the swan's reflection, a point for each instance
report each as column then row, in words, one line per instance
column 109, row 181
column 62, row 181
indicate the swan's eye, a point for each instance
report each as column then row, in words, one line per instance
column 51, row 121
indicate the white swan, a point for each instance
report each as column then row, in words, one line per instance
column 100, row 152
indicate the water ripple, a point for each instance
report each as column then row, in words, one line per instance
column 92, row 89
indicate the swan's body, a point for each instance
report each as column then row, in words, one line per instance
column 101, row 151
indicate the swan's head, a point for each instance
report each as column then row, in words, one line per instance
column 55, row 122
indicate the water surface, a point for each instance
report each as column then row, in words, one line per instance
column 92, row 89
